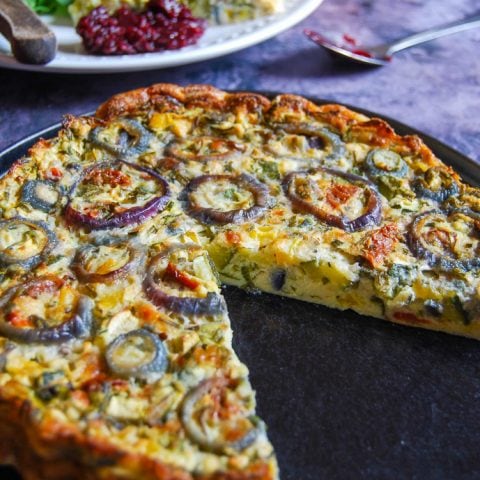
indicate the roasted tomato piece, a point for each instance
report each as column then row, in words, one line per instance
column 127, row 138
column 111, row 177
column 338, row 194
column 138, row 354
column 218, row 416
column 383, row 162
column 379, row 244
column 114, row 195
column 449, row 241
column 224, row 199
column 43, row 195
column 409, row 318
column 436, row 184
column 339, row 199
column 45, row 310
column 25, row 243
column 204, row 149
column 181, row 278
column 106, row 261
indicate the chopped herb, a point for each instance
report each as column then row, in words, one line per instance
column 400, row 276
column 403, row 273
column 270, row 169
column 458, row 304
column 247, row 276
column 231, row 194
column 301, row 222
column 140, row 191
column 208, row 232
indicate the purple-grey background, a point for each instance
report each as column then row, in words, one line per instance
column 434, row 88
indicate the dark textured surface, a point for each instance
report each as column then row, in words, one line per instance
column 346, row 397
column 351, row 397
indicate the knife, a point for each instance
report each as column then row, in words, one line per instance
column 30, row 39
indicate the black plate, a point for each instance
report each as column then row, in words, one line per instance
column 350, row 397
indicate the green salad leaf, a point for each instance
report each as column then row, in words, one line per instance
column 48, row 6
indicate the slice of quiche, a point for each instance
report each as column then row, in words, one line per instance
column 115, row 344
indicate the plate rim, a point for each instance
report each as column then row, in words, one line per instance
column 466, row 167
column 253, row 34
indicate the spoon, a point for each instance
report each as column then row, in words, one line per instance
column 382, row 54
column 30, row 39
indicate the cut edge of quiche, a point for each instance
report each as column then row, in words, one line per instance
column 115, row 344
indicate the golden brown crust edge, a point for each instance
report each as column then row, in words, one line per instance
column 54, row 451
column 354, row 126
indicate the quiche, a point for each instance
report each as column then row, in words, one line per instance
column 115, row 344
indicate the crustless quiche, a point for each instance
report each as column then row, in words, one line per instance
column 115, row 344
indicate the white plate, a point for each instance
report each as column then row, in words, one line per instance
column 217, row 41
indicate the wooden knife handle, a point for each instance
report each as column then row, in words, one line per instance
column 30, row 39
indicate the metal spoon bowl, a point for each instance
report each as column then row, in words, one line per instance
column 381, row 55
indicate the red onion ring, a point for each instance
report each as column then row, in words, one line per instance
column 373, row 206
column 138, row 369
column 320, row 138
column 78, row 326
column 446, row 262
column 131, row 216
column 30, row 262
column 141, row 139
column 212, row 304
column 175, row 150
column 197, row 434
column 135, row 256
column 219, row 217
